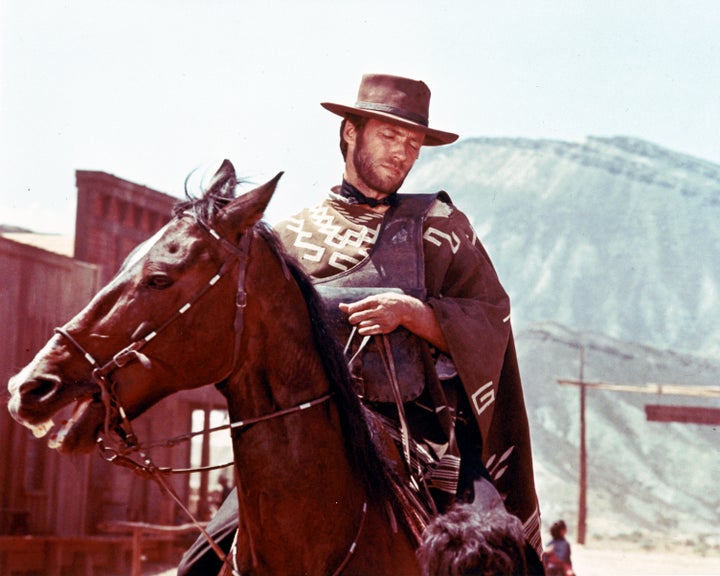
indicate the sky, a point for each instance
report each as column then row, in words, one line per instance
column 149, row 90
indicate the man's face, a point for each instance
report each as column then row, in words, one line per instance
column 380, row 156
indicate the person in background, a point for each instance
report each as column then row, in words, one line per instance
column 225, row 487
column 556, row 556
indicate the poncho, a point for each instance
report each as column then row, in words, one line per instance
column 473, row 311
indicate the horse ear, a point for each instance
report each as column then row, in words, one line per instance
column 246, row 210
column 224, row 181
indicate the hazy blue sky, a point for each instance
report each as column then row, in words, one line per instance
column 147, row 90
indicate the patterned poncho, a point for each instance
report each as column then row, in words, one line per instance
column 473, row 311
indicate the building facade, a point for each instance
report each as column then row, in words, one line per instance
column 41, row 492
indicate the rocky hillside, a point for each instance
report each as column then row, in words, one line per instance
column 616, row 236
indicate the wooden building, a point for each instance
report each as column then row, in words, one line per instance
column 65, row 500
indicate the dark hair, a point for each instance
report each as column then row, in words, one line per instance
column 359, row 123
column 557, row 528
column 470, row 541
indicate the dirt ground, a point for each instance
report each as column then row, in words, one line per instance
column 598, row 562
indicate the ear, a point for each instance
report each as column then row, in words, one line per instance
column 243, row 212
column 224, row 181
column 350, row 132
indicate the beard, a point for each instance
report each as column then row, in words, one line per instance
column 366, row 168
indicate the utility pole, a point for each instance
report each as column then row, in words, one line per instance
column 582, row 502
column 669, row 413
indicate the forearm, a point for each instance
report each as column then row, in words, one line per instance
column 383, row 313
column 420, row 319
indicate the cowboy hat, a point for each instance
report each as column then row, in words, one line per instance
column 395, row 100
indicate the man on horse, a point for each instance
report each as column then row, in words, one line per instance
column 413, row 293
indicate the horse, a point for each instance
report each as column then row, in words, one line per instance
column 212, row 299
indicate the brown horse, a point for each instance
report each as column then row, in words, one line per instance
column 211, row 299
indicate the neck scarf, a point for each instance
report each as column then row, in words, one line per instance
column 354, row 196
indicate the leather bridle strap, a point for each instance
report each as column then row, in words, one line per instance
column 386, row 354
column 238, row 425
column 241, row 254
column 416, row 475
column 168, row 489
column 133, row 352
column 353, row 546
column 108, row 396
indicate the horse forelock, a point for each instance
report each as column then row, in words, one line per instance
column 206, row 207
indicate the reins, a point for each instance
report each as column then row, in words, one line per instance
column 386, row 354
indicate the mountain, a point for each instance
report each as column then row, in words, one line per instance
column 8, row 228
column 612, row 244
column 612, row 235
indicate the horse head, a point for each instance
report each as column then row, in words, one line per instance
column 136, row 341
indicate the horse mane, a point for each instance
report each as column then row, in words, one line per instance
column 359, row 432
column 381, row 481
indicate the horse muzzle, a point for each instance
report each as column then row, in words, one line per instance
column 69, row 415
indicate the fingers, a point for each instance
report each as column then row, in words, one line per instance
column 378, row 314
column 369, row 303
column 370, row 321
column 375, row 303
column 383, row 313
column 370, row 327
column 360, row 310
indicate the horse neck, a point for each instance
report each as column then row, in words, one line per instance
column 280, row 365
column 294, row 474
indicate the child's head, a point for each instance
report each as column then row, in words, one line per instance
column 468, row 541
column 558, row 530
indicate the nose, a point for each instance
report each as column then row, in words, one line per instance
column 34, row 389
column 32, row 394
column 398, row 151
column 27, row 381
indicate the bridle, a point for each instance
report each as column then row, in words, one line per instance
column 119, row 453
column 133, row 351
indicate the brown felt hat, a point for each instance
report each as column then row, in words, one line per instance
column 395, row 100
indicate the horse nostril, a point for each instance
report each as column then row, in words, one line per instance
column 39, row 388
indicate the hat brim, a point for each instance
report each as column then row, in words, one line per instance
column 433, row 137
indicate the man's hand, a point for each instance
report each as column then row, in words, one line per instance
column 383, row 313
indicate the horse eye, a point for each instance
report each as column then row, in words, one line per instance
column 158, row 281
